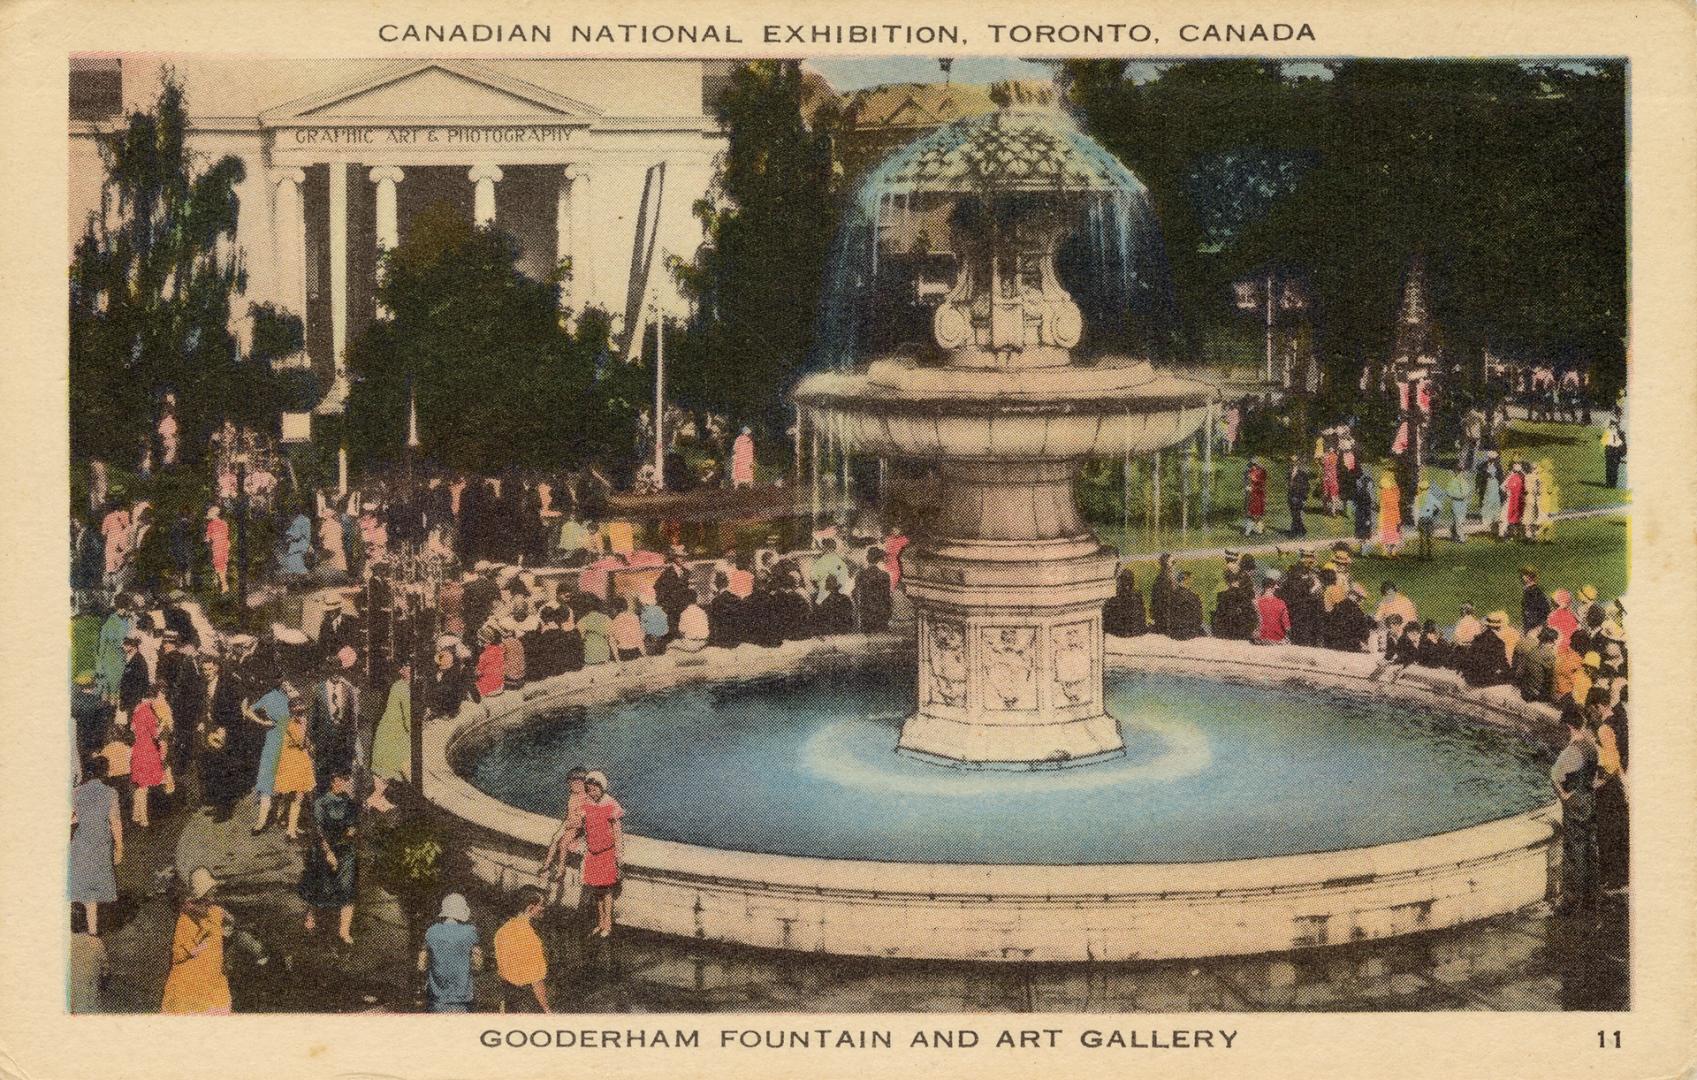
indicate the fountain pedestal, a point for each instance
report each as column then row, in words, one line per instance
column 1007, row 581
column 1008, row 591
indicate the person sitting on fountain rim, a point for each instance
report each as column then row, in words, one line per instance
column 694, row 629
column 1122, row 615
column 835, row 613
column 725, row 613
column 872, row 594
column 1347, row 626
column 1485, row 661
column 1184, row 615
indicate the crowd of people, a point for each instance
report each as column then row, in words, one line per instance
column 1510, row 497
column 528, row 578
column 1567, row 649
column 309, row 733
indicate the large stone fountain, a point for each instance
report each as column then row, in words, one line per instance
column 1007, row 579
column 815, row 838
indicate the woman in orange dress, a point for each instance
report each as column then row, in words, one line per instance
column 1390, row 513
column 196, row 983
column 294, row 768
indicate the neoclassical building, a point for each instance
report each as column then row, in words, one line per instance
column 342, row 155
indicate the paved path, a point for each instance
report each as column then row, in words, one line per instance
column 1527, row 961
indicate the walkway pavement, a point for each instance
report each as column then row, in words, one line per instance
column 1529, row 961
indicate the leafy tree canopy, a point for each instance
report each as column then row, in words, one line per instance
column 151, row 284
column 757, row 279
column 1509, row 178
column 499, row 379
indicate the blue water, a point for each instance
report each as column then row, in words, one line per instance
column 805, row 765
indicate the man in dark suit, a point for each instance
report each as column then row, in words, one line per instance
column 341, row 627
column 175, row 668
column 218, row 722
column 134, row 684
column 333, row 723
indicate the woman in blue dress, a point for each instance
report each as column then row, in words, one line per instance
column 297, row 541
column 97, row 842
column 270, row 712
column 1491, row 494
column 331, row 875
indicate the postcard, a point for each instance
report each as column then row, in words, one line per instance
column 802, row 541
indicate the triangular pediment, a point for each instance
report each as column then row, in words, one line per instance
column 432, row 90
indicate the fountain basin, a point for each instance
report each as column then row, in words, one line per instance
column 901, row 904
column 900, row 408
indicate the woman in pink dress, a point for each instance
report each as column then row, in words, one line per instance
column 115, row 527
column 147, row 762
column 603, row 845
column 742, row 460
column 218, row 540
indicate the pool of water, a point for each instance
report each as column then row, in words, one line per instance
column 806, row 765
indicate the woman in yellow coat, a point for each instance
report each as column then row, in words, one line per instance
column 196, row 983
column 1390, row 512
column 294, row 768
column 1548, row 505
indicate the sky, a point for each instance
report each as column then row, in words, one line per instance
column 849, row 73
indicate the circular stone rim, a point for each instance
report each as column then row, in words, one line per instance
column 1068, row 912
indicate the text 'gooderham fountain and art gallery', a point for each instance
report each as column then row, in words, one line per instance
column 1003, row 784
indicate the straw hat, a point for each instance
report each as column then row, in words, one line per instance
column 84, row 678
column 1341, row 558
column 201, row 882
column 1592, row 660
column 1588, row 593
column 1497, row 620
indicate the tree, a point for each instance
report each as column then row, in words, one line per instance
column 758, row 277
column 1509, row 177
column 499, row 380
column 151, row 282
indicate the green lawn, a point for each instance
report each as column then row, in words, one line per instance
column 1577, row 455
column 1592, row 551
column 1574, row 452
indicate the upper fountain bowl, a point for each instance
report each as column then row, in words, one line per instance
column 900, row 408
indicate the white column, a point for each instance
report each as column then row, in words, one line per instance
column 564, row 234
column 288, row 245
column 583, row 258
column 388, row 220
column 485, row 176
column 339, row 263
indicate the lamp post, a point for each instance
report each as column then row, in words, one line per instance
column 659, row 393
column 241, row 530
